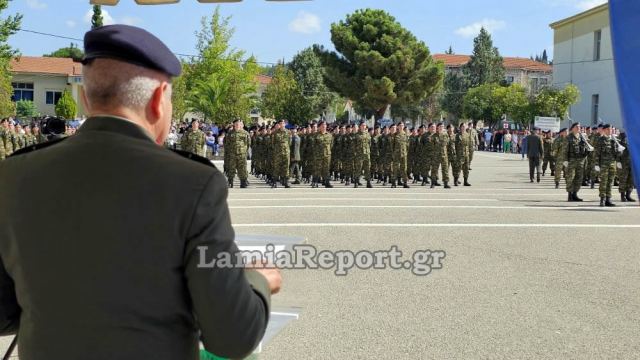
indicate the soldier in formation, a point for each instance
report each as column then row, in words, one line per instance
column 237, row 144
column 194, row 140
column 15, row 137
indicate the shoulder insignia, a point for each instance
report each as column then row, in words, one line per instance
column 194, row 157
column 34, row 147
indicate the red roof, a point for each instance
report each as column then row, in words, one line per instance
column 514, row 63
column 264, row 79
column 46, row 65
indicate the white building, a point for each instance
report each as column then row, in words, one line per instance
column 583, row 56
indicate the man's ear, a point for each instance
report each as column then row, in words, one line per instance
column 157, row 103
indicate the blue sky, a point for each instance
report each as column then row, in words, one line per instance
column 277, row 30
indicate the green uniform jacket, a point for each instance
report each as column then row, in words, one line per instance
column 113, row 272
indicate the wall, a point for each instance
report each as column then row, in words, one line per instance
column 44, row 83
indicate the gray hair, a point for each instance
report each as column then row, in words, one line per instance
column 110, row 83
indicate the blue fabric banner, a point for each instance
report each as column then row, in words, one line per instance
column 625, row 35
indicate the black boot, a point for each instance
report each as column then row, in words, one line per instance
column 538, row 178
column 570, row 197
column 455, row 181
column 553, row 173
column 608, row 202
column 355, row 185
column 466, row 182
column 243, row 184
column 285, row 182
column 405, row 185
column 424, row 182
column 437, row 183
column 585, row 184
column 327, row 184
column 297, row 182
column 629, row 198
column 602, row 202
column 623, row 197
column 593, row 184
column 393, row 184
column 433, row 184
column 575, row 197
column 384, row 183
column 531, row 179
column 230, row 183
column 557, row 185
column 446, row 185
column 369, row 186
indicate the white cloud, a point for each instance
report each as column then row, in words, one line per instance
column 588, row 4
column 491, row 25
column 130, row 20
column 305, row 23
column 70, row 23
column 106, row 17
column 36, row 4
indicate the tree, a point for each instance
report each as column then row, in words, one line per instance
column 486, row 65
column 309, row 73
column 379, row 63
column 552, row 101
column 25, row 109
column 449, row 51
column 452, row 101
column 513, row 102
column 96, row 19
column 283, row 98
column 545, row 58
column 8, row 27
column 478, row 104
column 72, row 52
column 234, row 80
column 179, row 95
column 66, row 107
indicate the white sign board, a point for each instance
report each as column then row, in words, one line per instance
column 547, row 123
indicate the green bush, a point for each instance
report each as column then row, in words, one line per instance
column 25, row 109
column 66, row 107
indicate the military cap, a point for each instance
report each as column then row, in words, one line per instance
column 574, row 125
column 236, row 121
column 606, row 126
column 440, row 124
column 132, row 45
column 377, row 127
column 430, row 124
column 281, row 121
column 321, row 122
column 420, row 127
column 563, row 130
column 400, row 123
column 594, row 128
column 600, row 126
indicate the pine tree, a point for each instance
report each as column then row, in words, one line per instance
column 545, row 58
column 96, row 19
column 486, row 65
column 450, row 51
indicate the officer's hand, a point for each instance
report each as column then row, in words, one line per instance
column 597, row 168
column 274, row 278
column 619, row 165
column 565, row 163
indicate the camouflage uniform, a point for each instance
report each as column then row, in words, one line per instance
column 625, row 175
column 590, row 173
column 237, row 144
column 280, row 148
column 412, row 155
column 440, row 160
column 558, row 151
column 575, row 156
column 431, row 157
column 606, row 155
column 322, row 150
column 375, row 155
column 361, row 146
column 451, row 155
column 400, row 149
column 549, row 159
column 3, row 151
column 193, row 141
column 473, row 142
column 386, row 156
column 462, row 157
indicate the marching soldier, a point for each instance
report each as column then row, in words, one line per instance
column 295, row 155
column 238, row 142
column 606, row 154
column 473, row 134
column 362, row 156
column 451, row 152
column 400, row 149
column 322, row 149
column 462, row 155
column 591, row 175
column 430, row 153
column 386, row 154
column 558, row 151
column 577, row 149
column 548, row 159
column 440, row 144
column 375, row 153
column 625, row 175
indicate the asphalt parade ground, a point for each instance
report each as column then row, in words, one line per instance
column 526, row 274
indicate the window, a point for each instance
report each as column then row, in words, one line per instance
column 22, row 91
column 53, row 97
column 510, row 79
column 597, row 40
column 595, row 104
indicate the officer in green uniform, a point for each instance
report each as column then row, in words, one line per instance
column 440, row 159
column 322, row 148
column 462, row 154
column 400, row 149
column 237, row 142
column 280, row 148
column 558, row 151
column 606, row 149
column 362, row 156
column 577, row 149
column 625, row 174
column 451, row 151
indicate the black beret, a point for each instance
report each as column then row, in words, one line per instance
column 600, row 126
column 563, row 130
column 132, row 45
column 574, row 125
column 606, row 126
column 321, row 122
column 594, row 128
column 377, row 127
column 440, row 124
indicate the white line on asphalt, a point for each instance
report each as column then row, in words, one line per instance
column 428, row 207
column 358, row 199
column 233, row 197
column 589, row 226
column 285, row 314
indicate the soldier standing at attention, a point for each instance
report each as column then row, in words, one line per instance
column 440, row 144
column 362, row 156
column 280, row 148
column 385, row 155
column 473, row 134
column 400, row 146
column 411, row 158
column 558, row 151
column 193, row 141
column 451, row 151
column 431, row 154
column 625, row 175
column 421, row 158
column 606, row 154
column 548, row 161
column 375, row 153
column 347, row 155
column 462, row 154
column 238, row 142
column 591, row 175
column 322, row 149
column 576, row 152
column 295, row 155
column 535, row 153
